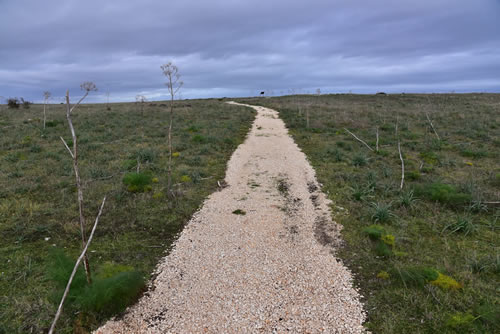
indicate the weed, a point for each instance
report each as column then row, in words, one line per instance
column 460, row 320
column 239, row 212
column 383, row 275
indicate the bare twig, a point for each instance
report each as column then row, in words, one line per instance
column 67, row 147
column 377, row 140
column 82, row 255
column 402, row 166
column 352, row 134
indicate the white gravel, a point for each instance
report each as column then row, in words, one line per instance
column 272, row 270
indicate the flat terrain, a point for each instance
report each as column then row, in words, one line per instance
column 427, row 257
column 254, row 258
column 39, row 211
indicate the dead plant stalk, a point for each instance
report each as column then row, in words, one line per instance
column 75, row 268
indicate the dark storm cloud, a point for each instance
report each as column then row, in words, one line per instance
column 234, row 47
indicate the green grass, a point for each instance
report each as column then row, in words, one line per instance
column 440, row 275
column 39, row 211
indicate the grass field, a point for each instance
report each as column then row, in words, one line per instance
column 427, row 257
column 39, row 211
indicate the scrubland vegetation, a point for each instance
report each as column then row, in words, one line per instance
column 425, row 257
column 123, row 153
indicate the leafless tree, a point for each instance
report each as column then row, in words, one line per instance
column 46, row 97
column 140, row 99
column 87, row 87
column 173, row 84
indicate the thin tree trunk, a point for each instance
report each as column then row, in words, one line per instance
column 75, row 268
column 78, row 186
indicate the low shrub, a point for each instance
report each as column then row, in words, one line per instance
column 443, row 193
column 475, row 154
column 138, row 182
column 114, row 287
column 13, row 103
column 375, row 232
column 415, row 276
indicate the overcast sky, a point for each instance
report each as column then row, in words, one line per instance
column 238, row 48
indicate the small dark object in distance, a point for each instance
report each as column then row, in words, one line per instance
column 261, row 93
column 381, row 93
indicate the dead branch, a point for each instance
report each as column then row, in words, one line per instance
column 352, row 134
column 82, row 255
column 67, row 147
column 402, row 166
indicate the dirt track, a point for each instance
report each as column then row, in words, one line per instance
column 269, row 269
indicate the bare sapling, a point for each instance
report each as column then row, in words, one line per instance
column 376, row 144
column 87, row 87
column 173, row 84
column 75, row 268
column 140, row 99
column 360, row 140
column 46, row 97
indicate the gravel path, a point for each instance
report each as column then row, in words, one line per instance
column 269, row 269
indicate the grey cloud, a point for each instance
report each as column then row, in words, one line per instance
column 229, row 48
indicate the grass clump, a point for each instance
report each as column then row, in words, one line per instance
column 360, row 160
column 382, row 212
column 463, row 224
column 138, row 182
column 239, row 212
column 408, row 199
